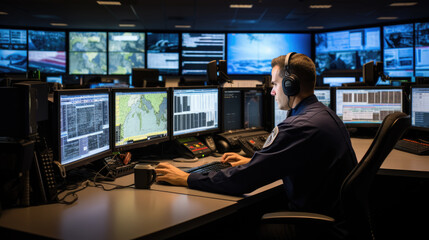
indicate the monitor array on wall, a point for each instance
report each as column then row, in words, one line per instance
column 403, row 48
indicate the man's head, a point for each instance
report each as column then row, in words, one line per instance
column 303, row 68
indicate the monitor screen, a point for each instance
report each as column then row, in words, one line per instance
column 367, row 105
column 324, row 96
column 140, row 117
column 253, row 109
column 251, row 53
column 54, row 79
column 350, row 49
column 87, row 53
column 232, row 110
column 198, row 49
column 338, row 81
column 126, row 51
column 420, row 107
column 13, row 51
column 163, row 52
column 47, row 51
column 398, row 50
column 83, row 131
column 422, row 49
column 195, row 111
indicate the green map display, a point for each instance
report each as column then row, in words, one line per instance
column 88, row 53
column 123, row 63
column 140, row 116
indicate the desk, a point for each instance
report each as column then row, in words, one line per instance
column 397, row 163
column 163, row 211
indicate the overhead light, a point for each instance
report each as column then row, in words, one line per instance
column 387, row 18
column 4, row 13
column 241, row 5
column 321, row 6
column 59, row 24
column 182, row 26
column 403, row 4
column 109, row 3
column 315, row 27
column 126, row 25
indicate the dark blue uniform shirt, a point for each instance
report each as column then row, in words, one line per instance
column 312, row 153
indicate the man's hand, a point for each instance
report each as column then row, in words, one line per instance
column 169, row 173
column 234, row 159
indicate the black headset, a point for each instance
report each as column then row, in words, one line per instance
column 290, row 82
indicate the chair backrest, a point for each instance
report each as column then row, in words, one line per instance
column 356, row 187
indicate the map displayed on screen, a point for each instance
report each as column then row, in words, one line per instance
column 126, row 51
column 88, row 53
column 140, row 116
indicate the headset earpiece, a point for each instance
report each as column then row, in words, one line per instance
column 290, row 82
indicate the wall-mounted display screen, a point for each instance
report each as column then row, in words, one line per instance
column 47, row 51
column 398, row 50
column 349, row 49
column 88, row 53
column 163, row 52
column 251, row 53
column 422, row 49
column 198, row 49
column 126, row 51
column 13, row 51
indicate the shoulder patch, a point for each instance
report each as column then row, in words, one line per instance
column 271, row 137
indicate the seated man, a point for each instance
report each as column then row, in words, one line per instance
column 310, row 150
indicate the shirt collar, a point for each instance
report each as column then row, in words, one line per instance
column 302, row 105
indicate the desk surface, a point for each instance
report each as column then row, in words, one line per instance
column 397, row 163
column 120, row 214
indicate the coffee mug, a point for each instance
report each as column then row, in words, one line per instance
column 144, row 176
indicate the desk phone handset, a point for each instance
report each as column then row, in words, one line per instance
column 44, row 171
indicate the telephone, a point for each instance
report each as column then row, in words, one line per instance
column 248, row 141
column 43, row 172
column 191, row 147
column 252, row 144
column 210, row 143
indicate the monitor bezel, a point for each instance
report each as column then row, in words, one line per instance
column 57, row 124
column 141, row 143
column 367, row 125
column 425, row 129
column 193, row 134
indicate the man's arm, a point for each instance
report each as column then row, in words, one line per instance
column 169, row 173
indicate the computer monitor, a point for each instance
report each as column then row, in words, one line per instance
column 126, row 51
column 13, row 51
column 143, row 77
column 140, row 117
column 367, row 106
column 195, row 111
column 253, row 108
column 398, row 50
column 198, row 49
column 251, row 53
column 82, row 126
column 323, row 94
column 87, row 53
column 421, row 30
column 232, row 110
column 334, row 81
column 47, row 51
column 420, row 107
column 54, row 79
column 347, row 50
column 163, row 52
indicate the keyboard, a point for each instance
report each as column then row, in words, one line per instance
column 208, row 167
column 412, row 146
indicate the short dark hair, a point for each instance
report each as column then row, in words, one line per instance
column 300, row 65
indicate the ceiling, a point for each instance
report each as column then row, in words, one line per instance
column 207, row 15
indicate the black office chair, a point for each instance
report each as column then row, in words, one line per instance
column 355, row 190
